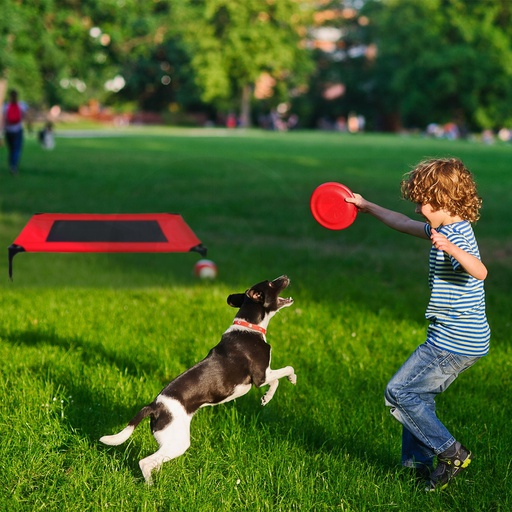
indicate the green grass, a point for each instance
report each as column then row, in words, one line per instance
column 87, row 339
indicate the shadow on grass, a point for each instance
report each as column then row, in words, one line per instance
column 313, row 436
column 95, row 413
column 90, row 352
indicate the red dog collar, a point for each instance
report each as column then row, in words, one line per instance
column 243, row 323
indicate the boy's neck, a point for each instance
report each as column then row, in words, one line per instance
column 451, row 219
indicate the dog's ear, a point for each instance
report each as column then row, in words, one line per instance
column 236, row 300
column 255, row 295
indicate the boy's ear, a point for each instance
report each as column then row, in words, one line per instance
column 236, row 300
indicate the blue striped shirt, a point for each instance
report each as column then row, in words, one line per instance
column 456, row 309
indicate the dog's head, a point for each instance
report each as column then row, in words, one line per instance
column 261, row 300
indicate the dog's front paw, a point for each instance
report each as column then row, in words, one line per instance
column 292, row 378
column 265, row 399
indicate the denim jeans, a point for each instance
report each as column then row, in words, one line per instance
column 411, row 395
column 14, row 145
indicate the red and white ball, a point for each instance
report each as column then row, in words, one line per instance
column 205, row 269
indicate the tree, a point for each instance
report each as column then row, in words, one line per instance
column 232, row 43
column 64, row 51
column 443, row 60
column 343, row 57
column 17, row 58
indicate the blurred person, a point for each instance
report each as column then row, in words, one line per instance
column 47, row 136
column 13, row 115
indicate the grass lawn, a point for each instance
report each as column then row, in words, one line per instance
column 87, row 339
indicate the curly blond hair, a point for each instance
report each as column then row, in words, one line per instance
column 445, row 184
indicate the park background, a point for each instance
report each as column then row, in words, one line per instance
column 347, row 64
column 86, row 339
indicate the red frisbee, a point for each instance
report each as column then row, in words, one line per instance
column 329, row 207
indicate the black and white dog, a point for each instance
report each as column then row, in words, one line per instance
column 240, row 360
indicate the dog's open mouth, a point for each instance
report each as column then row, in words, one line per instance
column 283, row 302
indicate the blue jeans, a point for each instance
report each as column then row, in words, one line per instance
column 411, row 395
column 14, row 145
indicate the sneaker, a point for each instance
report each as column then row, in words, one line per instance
column 449, row 464
column 423, row 472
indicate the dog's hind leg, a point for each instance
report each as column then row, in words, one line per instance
column 173, row 440
column 272, row 380
column 168, row 451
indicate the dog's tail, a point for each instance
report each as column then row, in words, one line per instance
column 122, row 436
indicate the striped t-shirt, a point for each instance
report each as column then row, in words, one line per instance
column 456, row 309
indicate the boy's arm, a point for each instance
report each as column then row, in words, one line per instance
column 471, row 264
column 390, row 218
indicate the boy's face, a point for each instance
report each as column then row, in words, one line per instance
column 436, row 218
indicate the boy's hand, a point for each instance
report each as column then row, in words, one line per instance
column 359, row 202
column 471, row 264
column 441, row 243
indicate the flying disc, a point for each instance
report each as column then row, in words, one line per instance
column 329, row 207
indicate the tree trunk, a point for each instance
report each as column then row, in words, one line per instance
column 390, row 122
column 3, row 93
column 245, row 107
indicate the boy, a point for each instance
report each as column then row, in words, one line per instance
column 458, row 333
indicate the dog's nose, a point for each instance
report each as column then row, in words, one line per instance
column 280, row 281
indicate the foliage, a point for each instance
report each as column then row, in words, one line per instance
column 443, row 60
column 18, row 48
column 239, row 41
column 400, row 62
column 345, row 61
column 161, row 80
column 63, row 51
